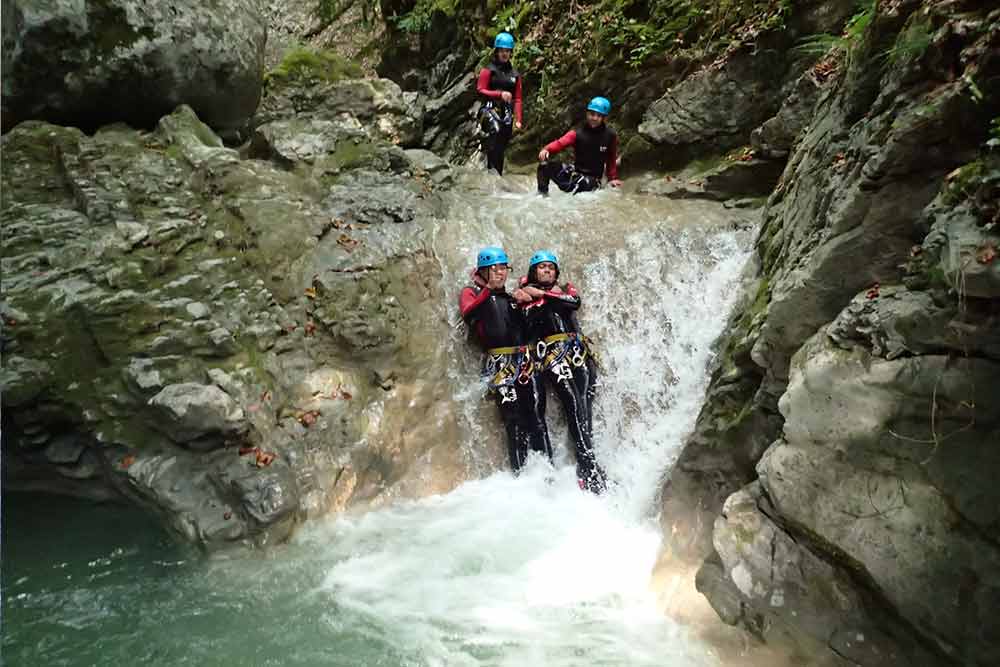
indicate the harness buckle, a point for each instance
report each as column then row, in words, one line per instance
column 541, row 347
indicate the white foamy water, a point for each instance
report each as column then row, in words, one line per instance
column 531, row 571
column 502, row 571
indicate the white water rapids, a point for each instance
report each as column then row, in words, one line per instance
column 525, row 571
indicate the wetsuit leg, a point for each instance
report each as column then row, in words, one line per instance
column 532, row 397
column 517, row 443
column 549, row 171
column 569, row 180
column 497, row 148
column 585, row 184
column 576, row 390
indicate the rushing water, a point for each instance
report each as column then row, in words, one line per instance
column 501, row 571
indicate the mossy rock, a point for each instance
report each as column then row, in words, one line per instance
column 303, row 64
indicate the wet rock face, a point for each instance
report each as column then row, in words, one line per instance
column 209, row 335
column 892, row 463
column 716, row 108
column 847, row 421
column 88, row 64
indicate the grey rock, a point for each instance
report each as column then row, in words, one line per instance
column 880, row 460
column 675, row 188
column 429, row 163
column 142, row 373
column 192, row 410
column 222, row 338
column 715, row 107
column 198, row 311
column 377, row 107
column 901, row 322
column 958, row 240
column 775, row 137
column 775, row 583
column 884, row 432
column 742, row 178
column 83, row 63
column 133, row 232
column 23, row 379
column 267, row 495
column 65, row 449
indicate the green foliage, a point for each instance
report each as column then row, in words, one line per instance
column 418, row 19
column 993, row 143
column 642, row 29
column 302, row 64
column 912, row 42
column 846, row 42
column 330, row 10
column 511, row 18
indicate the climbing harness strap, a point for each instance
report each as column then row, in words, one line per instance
column 572, row 347
column 506, row 365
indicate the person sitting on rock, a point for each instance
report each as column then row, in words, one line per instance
column 564, row 356
column 499, row 85
column 596, row 151
column 493, row 317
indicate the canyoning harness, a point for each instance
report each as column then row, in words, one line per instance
column 550, row 352
column 493, row 116
column 505, row 366
column 578, row 181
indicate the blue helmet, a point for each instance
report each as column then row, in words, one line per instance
column 504, row 40
column 490, row 257
column 543, row 256
column 601, row 105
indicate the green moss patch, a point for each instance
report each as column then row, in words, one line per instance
column 307, row 65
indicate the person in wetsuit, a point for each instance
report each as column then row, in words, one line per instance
column 499, row 86
column 567, row 363
column 595, row 146
column 493, row 317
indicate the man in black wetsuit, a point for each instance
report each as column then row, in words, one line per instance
column 596, row 152
column 493, row 316
column 567, row 363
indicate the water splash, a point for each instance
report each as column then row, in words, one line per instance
column 503, row 570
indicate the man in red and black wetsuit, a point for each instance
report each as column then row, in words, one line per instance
column 596, row 153
column 499, row 85
column 493, row 316
column 566, row 361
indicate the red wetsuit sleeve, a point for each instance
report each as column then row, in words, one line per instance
column 569, row 296
column 563, row 142
column 483, row 85
column 611, row 164
column 469, row 300
column 517, row 100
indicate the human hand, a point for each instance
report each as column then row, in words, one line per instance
column 615, row 183
column 517, row 125
column 543, row 155
column 555, row 289
column 521, row 296
column 505, row 96
column 533, row 292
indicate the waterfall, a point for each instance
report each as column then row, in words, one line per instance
column 502, row 570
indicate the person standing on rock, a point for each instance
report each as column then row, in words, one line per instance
column 564, row 358
column 493, row 317
column 596, row 153
column 499, row 86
